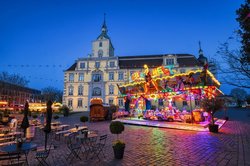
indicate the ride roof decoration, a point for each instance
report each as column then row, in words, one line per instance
column 164, row 79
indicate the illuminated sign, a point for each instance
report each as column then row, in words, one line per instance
column 155, row 73
column 136, row 76
column 160, row 71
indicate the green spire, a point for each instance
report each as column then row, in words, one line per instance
column 104, row 26
column 200, row 50
column 201, row 57
column 104, row 29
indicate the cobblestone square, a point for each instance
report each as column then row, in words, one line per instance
column 158, row 146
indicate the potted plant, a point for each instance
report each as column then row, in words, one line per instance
column 211, row 106
column 117, row 127
column 84, row 119
column 65, row 110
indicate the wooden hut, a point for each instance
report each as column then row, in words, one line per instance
column 97, row 110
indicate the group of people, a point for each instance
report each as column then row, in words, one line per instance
column 176, row 115
column 163, row 113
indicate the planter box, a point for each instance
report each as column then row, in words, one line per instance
column 214, row 128
column 118, row 152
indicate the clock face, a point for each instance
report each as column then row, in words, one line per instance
column 97, row 91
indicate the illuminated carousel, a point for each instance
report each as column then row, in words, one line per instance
column 162, row 95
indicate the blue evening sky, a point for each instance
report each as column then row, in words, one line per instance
column 41, row 38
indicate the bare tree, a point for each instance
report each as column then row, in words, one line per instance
column 235, row 64
column 51, row 93
column 13, row 79
column 235, row 70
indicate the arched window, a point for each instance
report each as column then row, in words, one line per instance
column 111, row 100
column 71, row 90
column 111, row 89
column 100, row 44
column 182, row 70
column 71, row 77
column 79, row 103
column 97, row 76
column 96, row 91
column 70, row 103
column 111, row 76
column 100, row 53
column 120, row 102
column 80, row 90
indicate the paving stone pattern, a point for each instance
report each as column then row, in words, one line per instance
column 158, row 146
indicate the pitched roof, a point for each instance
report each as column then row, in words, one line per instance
column 72, row 68
column 128, row 64
column 155, row 55
column 138, row 61
column 188, row 62
column 141, row 56
column 184, row 60
column 103, row 35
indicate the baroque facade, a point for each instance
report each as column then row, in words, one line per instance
column 97, row 75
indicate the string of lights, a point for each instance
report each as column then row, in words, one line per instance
column 46, row 79
column 38, row 66
column 56, row 66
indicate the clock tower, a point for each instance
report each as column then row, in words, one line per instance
column 102, row 46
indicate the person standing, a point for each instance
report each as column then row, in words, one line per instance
column 42, row 118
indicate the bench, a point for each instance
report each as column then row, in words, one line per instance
column 62, row 131
column 7, row 143
column 11, row 159
column 7, row 139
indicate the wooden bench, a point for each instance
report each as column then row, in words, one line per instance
column 7, row 139
column 7, row 143
column 11, row 159
column 61, row 131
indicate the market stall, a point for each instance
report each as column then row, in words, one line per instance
column 97, row 110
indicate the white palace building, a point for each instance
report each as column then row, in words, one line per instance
column 97, row 75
